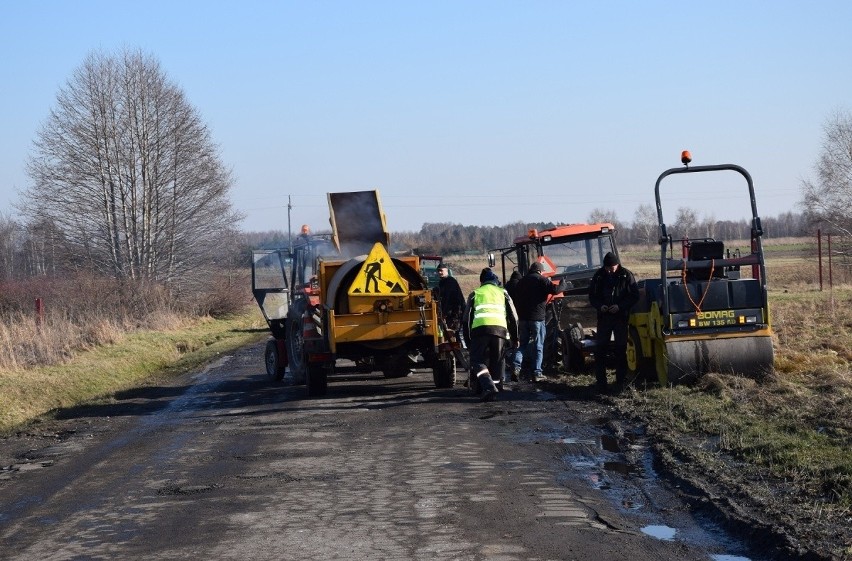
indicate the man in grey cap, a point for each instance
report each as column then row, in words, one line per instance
column 531, row 295
column 612, row 292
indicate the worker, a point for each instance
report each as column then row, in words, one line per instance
column 612, row 292
column 451, row 298
column 531, row 295
column 490, row 321
column 512, row 284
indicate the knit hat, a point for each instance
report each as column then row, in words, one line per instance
column 536, row 267
column 487, row 275
column 610, row 259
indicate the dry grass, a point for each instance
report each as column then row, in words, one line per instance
column 26, row 342
column 135, row 360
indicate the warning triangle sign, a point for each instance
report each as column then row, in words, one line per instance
column 378, row 276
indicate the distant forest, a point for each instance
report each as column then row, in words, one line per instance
column 444, row 238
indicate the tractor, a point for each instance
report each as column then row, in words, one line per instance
column 572, row 252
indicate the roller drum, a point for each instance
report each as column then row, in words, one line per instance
column 750, row 356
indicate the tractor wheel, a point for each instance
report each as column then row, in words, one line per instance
column 317, row 378
column 553, row 353
column 444, row 372
column 296, row 350
column 272, row 359
column 639, row 367
column 572, row 355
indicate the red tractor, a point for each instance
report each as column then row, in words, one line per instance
column 572, row 252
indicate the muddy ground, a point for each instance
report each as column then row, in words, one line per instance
column 609, row 450
column 749, row 503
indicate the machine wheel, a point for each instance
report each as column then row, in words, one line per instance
column 317, row 378
column 552, row 355
column 444, row 372
column 572, row 356
column 272, row 359
column 296, row 350
column 639, row 367
column 397, row 366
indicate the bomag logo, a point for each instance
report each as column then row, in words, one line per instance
column 716, row 314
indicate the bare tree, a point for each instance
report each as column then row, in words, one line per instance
column 645, row 224
column 829, row 199
column 686, row 223
column 125, row 169
column 604, row 215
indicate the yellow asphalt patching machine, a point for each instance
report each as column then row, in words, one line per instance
column 708, row 311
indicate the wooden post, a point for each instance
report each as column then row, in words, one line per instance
column 830, row 282
column 819, row 256
column 39, row 305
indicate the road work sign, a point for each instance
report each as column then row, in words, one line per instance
column 378, row 275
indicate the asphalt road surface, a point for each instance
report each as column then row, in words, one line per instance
column 225, row 464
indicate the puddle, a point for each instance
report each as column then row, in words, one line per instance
column 574, row 440
column 622, row 468
column 660, row 532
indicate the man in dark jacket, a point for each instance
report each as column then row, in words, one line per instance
column 612, row 292
column 451, row 297
column 490, row 321
column 531, row 295
column 512, row 284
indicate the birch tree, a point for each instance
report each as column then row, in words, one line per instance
column 828, row 200
column 127, row 171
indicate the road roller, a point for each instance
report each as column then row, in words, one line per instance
column 708, row 311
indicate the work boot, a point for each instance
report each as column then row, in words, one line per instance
column 539, row 377
column 516, row 374
column 487, row 385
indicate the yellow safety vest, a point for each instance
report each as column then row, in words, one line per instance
column 489, row 306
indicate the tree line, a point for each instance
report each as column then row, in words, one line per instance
column 127, row 183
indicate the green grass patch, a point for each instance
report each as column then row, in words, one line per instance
column 781, row 429
column 139, row 358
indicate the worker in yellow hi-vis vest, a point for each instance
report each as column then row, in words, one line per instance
column 490, row 323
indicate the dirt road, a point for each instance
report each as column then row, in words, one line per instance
column 226, row 465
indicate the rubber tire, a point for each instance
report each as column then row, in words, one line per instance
column 397, row 367
column 296, row 350
column 317, row 378
column 639, row 367
column 272, row 360
column 552, row 357
column 572, row 357
column 444, row 372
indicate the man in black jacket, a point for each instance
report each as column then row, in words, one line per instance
column 530, row 297
column 451, row 297
column 612, row 292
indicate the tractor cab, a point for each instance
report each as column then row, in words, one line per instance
column 572, row 252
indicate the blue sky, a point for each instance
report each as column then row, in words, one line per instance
column 471, row 112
